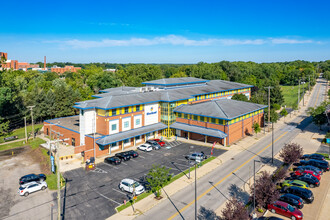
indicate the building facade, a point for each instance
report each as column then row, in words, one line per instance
column 123, row 117
column 62, row 70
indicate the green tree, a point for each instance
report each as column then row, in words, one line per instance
column 284, row 113
column 256, row 128
column 4, row 127
column 240, row 97
column 158, row 176
column 273, row 115
column 318, row 114
column 178, row 75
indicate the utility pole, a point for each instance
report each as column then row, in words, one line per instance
column 269, row 87
column 254, row 187
column 58, row 177
column 195, row 190
column 25, row 130
column 31, row 109
column 272, row 143
column 94, row 129
column 309, row 84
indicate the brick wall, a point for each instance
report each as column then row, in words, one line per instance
column 65, row 132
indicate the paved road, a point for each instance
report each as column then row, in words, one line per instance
column 216, row 187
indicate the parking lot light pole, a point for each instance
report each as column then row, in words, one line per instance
column 254, row 187
column 272, row 142
column 195, row 190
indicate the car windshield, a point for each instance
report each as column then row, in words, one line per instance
column 21, row 188
column 315, row 174
column 136, row 184
column 291, row 209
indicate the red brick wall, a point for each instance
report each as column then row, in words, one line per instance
column 102, row 125
column 65, row 132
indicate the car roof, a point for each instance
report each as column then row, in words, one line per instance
column 130, row 181
column 291, row 195
column 29, row 183
column 299, row 181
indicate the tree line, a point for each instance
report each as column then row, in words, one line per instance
column 54, row 95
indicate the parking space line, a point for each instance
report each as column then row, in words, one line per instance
column 173, row 168
column 124, row 163
column 134, row 161
column 151, row 154
column 185, row 160
column 142, row 157
column 104, row 196
column 181, row 164
column 119, row 191
column 111, row 166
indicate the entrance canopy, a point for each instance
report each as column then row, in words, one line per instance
column 199, row 130
column 113, row 138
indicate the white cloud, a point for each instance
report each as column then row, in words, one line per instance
column 175, row 40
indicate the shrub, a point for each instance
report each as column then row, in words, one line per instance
column 276, row 106
column 280, row 174
column 265, row 190
column 291, row 153
column 235, row 209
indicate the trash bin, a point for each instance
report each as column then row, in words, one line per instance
column 90, row 166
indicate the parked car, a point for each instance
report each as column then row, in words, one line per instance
column 313, row 156
column 160, row 142
column 154, row 144
column 292, row 200
column 30, row 187
column 145, row 147
column 312, row 168
column 283, row 208
column 196, row 156
column 132, row 153
column 123, row 156
column 307, row 178
column 305, row 194
column 269, row 218
column 324, row 165
column 113, row 160
column 32, row 177
column 130, row 185
column 298, row 183
column 303, row 172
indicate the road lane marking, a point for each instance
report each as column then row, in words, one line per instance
column 142, row 157
column 124, row 163
column 111, row 166
column 229, row 174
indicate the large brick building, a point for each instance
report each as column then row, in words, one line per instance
column 15, row 65
column 120, row 118
column 62, row 70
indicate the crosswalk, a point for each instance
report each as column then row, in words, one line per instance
column 173, row 143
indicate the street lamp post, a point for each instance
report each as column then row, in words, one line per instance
column 272, row 143
column 195, row 190
column 254, row 187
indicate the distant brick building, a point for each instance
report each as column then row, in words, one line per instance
column 62, row 70
column 15, row 65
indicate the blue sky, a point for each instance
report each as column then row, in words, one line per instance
column 165, row 31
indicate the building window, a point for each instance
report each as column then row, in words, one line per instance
column 126, row 110
column 73, row 142
column 202, row 118
column 138, row 138
column 213, row 120
column 179, row 114
column 195, row 117
column 137, row 121
column 126, row 141
column 185, row 116
column 137, row 108
column 113, row 127
column 126, row 124
column 114, row 112
column 47, row 132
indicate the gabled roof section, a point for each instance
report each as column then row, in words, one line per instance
column 220, row 108
column 175, row 81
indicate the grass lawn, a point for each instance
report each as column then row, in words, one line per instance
column 290, row 94
column 33, row 143
column 143, row 195
column 20, row 132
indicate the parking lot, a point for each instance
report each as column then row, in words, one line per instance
column 312, row 211
column 95, row 194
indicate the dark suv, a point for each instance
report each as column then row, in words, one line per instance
column 123, row 156
column 305, row 194
column 307, row 178
column 132, row 153
column 313, row 156
column 32, row 177
column 324, row 165
column 292, row 200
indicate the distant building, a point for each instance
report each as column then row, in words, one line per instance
column 111, row 70
column 62, row 70
column 15, row 65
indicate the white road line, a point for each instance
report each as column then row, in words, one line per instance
column 106, row 197
column 173, row 168
column 142, row 157
column 151, row 154
column 185, row 160
column 111, row 166
column 181, row 164
column 124, row 163
column 119, row 191
column 134, row 161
